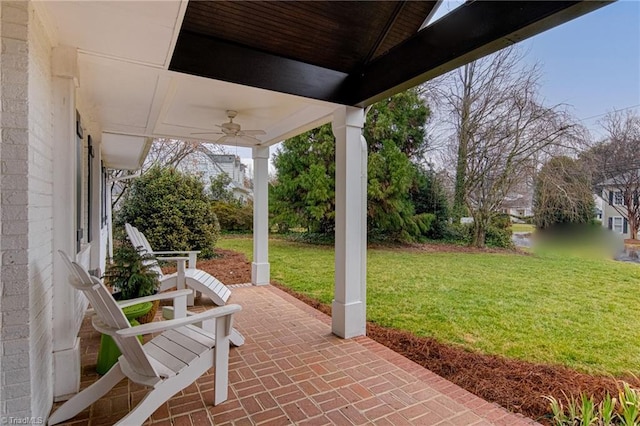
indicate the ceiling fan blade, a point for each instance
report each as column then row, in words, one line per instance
column 226, row 138
column 207, row 133
column 249, row 139
column 252, row 132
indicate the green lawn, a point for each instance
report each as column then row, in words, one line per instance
column 522, row 227
column 566, row 308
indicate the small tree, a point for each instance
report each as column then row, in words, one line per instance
column 172, row 210
column 501, row 129
column 220, row 188
column 563, row 194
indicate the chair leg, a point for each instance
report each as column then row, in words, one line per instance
column 165, row 390
column 88, row 396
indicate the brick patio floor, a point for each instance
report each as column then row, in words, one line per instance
column 292, row 370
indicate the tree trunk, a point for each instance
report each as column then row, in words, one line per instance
column 459, row 206
column 480, row 224
column 479, row 235
column 633, row 227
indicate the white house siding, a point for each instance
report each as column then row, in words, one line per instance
column 610, row 212
column 209, row 166
column 26, row 209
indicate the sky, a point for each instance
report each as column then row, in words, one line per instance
column 591, row 63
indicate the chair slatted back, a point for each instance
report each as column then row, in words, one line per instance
column 138, row 239
column 109, row 314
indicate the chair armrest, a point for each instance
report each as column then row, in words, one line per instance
column 154, row 327
column 172, row 258
column 159, row 296
column 191, row 254
column 176, row 252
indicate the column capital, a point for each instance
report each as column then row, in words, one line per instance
column 347, row 116
column 260, row 152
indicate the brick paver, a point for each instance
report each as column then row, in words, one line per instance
column 292, row 370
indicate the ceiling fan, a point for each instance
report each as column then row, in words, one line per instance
column 232, row 131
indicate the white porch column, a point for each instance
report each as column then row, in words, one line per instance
column 260, row 266
column 66, row 347
column 349, row 306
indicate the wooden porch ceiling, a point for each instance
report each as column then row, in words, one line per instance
column 351, row 52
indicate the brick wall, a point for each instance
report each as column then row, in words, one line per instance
column 40, row 217
column 16, row 385
column 26, row 213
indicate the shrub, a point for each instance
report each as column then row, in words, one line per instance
column 131, row 272
column 172, row 210
column 234, row 217
column 496, row 235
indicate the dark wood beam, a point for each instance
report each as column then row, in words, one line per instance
column 197, row 54
column 472, row 31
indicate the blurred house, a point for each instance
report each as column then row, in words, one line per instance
column 208, row 164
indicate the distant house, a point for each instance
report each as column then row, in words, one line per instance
column 613, row 212
column 518, row 203
column 209, row 165
column 518, row 206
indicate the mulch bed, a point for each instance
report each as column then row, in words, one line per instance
column 516, row 385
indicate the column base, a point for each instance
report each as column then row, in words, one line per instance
column 66, row 369
column 348, row 319
column 260, row 273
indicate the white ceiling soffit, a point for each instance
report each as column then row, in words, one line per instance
column 124, row 152
column 124, row 52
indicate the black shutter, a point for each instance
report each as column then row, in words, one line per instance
column 625, row 226
column 610, row 199
column 610, row 223
column 89, row 189
column 635, row 198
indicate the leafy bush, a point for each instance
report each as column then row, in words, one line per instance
column 233, row 216
column 130, row 272
column 310, row 238
column 458, row 233
column 172, row 210
column 624, row 410
column 496, row 236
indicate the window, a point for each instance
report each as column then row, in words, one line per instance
column 617, row 224
column 617, row 198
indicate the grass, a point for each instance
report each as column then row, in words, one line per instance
column 522, row 227
column 555, row 307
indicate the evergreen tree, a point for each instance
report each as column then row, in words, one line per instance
column 428, row 196
column 304, row 191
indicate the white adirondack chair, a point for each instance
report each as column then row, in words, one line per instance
column 186, row 349
column 196, row 279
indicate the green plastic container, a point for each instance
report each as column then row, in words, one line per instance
column 109, row 351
